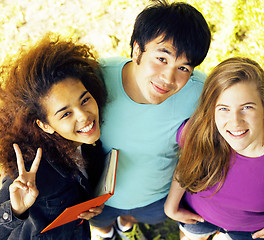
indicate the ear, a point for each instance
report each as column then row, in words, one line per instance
column 45, row 127
column 136, row 52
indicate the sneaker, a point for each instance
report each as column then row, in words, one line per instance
column 95, row 234
column 132, row 234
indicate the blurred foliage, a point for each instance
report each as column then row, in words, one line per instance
column 236, row 25
column 237, row 29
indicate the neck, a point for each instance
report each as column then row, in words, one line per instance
column 130, row 84
column 128, row 78
column 253, row 152
column 77, row 144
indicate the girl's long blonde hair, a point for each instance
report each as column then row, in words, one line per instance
column 205, row 155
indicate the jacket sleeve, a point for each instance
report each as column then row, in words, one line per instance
column 8, row 222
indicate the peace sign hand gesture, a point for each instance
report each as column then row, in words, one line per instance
column 23, row 191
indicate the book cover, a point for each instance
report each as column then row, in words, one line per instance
column 104, row 190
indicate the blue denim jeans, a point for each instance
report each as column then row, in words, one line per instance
column 204, row 229
column 150, row 214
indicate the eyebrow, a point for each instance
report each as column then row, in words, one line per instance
column 252, row 103
column 82, row 95
column 64, row 108
column 221, row 104
column 165, row 50
column 247, row 103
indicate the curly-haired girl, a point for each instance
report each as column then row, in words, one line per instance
column 51, row 97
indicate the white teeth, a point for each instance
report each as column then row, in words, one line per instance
column 87, row 129
column 237, row 133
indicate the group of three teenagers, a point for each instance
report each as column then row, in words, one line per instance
column 149, row 96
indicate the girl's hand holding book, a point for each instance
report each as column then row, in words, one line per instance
column 91, row 213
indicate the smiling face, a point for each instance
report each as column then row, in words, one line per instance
column 157, row 73
column 239, row 118
column 72, row 112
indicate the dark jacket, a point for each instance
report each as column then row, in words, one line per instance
column 57, row 191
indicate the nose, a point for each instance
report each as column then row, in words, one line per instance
column 81, row 115
column 169, row 76
column 237, row 117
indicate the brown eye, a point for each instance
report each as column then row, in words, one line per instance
column 184, row 69
column 85, row 100
column 163, row 60
column 65, row 115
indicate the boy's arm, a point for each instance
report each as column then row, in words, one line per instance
column 172, row 206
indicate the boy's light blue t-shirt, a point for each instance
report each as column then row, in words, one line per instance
column 145, row 134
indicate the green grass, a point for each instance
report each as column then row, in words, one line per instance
column 167, row 230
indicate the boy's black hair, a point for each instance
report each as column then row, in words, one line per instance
column 179, row 22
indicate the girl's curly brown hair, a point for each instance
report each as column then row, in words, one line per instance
column 25, row 81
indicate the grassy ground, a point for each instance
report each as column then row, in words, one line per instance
column 167, row 230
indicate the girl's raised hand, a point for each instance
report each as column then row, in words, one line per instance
column 23, row 191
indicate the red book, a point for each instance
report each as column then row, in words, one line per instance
column 104, row 191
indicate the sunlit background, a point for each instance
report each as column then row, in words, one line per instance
column 236, row 25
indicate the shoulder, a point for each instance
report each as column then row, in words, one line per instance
column 194, row 85
column 181, row 133
column 198, row 77
column 113, row 61
column 193, row 88
column 112, row 71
